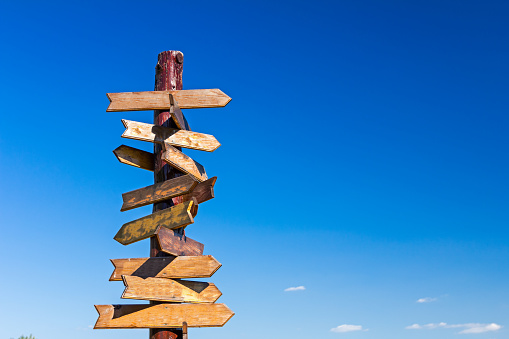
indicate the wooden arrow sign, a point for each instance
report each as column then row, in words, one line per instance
column 135, row 157
column 161, row 289
column 146, row 101
column 179, row 160
column 162, row 315
column 159, row 134
column 158, row 192
column 177, row 115
column 177, row 244
column 202, row 266
column 203, row 191
column 174, row 217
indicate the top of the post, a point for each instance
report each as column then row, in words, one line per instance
column 169, row 71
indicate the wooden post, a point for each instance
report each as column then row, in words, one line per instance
column 184, row 330
column 168, row 77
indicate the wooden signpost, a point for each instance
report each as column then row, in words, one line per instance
column 179, row 160
column 202, row 266
column 175, row 217
column 181, row 184
column 158, row 192
column 169, row 290
column 176, row 244
column 145, row 101
column 135, row 157
column 162, row 315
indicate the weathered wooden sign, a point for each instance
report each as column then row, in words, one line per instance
column 202, row 266
column 202, row 192
column 158, row 192
column 176, row 244
column 177, row 115
column 169, row 290
column 179, row 160
column 162, row 315
column 146, row 101
column 175, row 217
column 176, row 137
column 175, row 303
column 135, row 157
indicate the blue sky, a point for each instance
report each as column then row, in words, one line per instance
column 364, row 157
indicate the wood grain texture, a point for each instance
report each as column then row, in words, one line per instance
column 135, row 157
column 186, row 164
column 169, row 290
column 202, row 192
column 176, row 243
column 168, row 77
column 158, row 192
column 162, row 315
column 154, row 100
column 175, row 137
column 139, row 229
column 202, row 266
column 177, row 115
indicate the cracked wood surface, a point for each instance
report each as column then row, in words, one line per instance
column 169, row 290
column 175, row 137
column 202, row 266
column 158, row 192
column 153, row 100
column 175, row 217
column 162, row 315
column 135, row 157
column 186, row 164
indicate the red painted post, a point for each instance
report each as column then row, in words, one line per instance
column 168, row 77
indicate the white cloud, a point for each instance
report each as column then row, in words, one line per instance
column 425, row 327
column 426, row 300
column 469, row 328
column 347, row 328
column 292, row 289
column 480, row 328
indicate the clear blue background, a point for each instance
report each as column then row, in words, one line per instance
column 364, row 156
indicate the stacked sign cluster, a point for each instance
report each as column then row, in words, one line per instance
column 180, row 303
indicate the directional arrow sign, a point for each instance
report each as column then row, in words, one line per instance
column 180, row 138
column 203, row 191
column 177, row 159
column 158, row 192
column 202, row 266
column 135, row 157
column 177, row 244
column 175, row 217
column 161, row 289
column 162, row 315
column 146, row 101
column 177, row 115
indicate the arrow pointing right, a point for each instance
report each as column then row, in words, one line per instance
column 162, row 315
column 201, row 266
column 147, row 101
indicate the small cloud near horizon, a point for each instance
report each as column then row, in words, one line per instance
column 292, row 289
column 347, row 328
column 426, row 300
column 469, row 328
